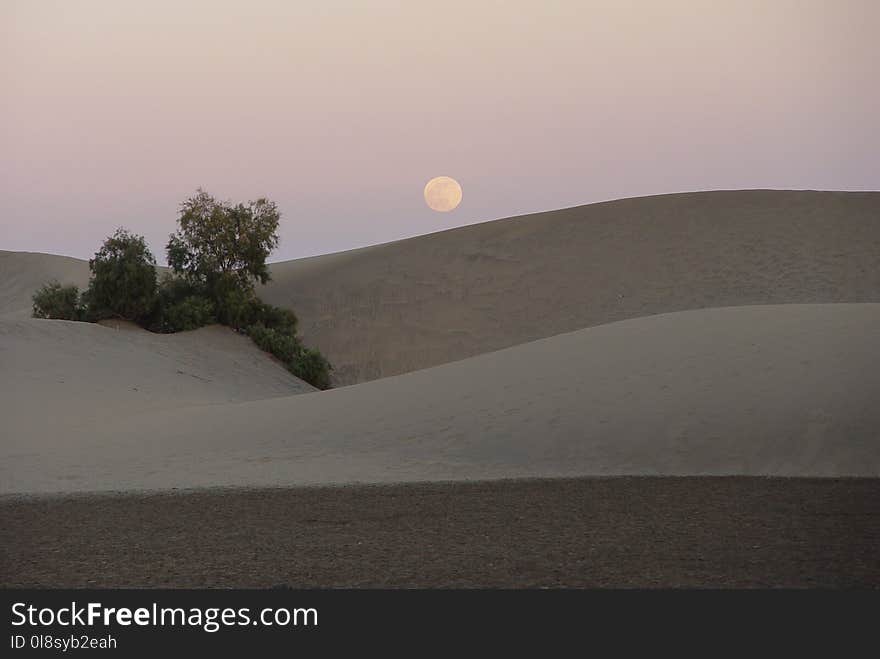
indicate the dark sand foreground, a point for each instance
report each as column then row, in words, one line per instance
column 606, row 532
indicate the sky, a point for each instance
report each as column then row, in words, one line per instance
column 114, row 111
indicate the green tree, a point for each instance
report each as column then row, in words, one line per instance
column 223, row 246
column 217, row 255
column 123, row 279
column 219, row 251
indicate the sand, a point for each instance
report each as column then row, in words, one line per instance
column 22, row 273
column 618, row 532
column 441, row 297
column 679, row 343
column 60, row 377
column 764, row 390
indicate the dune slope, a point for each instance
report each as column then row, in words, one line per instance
column 760, row 390
column 22, row 273
column 433, row 299
column 57, row 376
column 437, row 298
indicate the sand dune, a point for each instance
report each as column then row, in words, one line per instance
column 22, row 273
column 783, row 390
column 436, row 298
column 58, row 376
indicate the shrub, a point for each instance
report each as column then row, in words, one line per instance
column 240, row 309
column 235, row 308
column 283, row 346
column 188, row 314
column 123, row 281
column 311, row 366
column 277, row 318
column 179, row 306
column 304, row 363
column 58, row 302
column 173, row 289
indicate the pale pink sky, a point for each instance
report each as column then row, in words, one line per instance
column 114, row 111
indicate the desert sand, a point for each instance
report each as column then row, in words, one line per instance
column 762, row 390
column 724, row 334
column 58, row 375
column 441, row 297
column 22, row 273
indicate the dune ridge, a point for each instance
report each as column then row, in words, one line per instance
column 424, row 301
column 22, row 273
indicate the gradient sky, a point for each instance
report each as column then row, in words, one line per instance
column 114, row 111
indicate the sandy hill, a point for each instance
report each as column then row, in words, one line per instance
column 680, row 334
column 429, row 300
column 416, row 303
column 70, row 373
column 56, row 375
column 786, row 390
column 22, row 273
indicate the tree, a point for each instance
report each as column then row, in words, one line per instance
column 219, row 251
column 217, row 255
column 223, row 247
column 123, row 279
column 58, row 302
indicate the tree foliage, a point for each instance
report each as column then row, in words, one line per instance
column 179, row 307
column 305, row 363
column 224, row 246
column 312, row 367
column 221, row 249
column 58, row 302
column 217, row 256
column 123, row 279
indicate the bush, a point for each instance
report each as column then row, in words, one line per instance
column 283, row 346
column 179, row 306
column 123, row 281
column 311, row 366
column 190, row 313
column 173, row 289
column 241, row 309
column 304, row 363
column 235, row 308
column 283, row 320
column 58, row 302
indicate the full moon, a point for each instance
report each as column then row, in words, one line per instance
column 443, row 194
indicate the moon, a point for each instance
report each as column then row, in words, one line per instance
column 442, row 194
